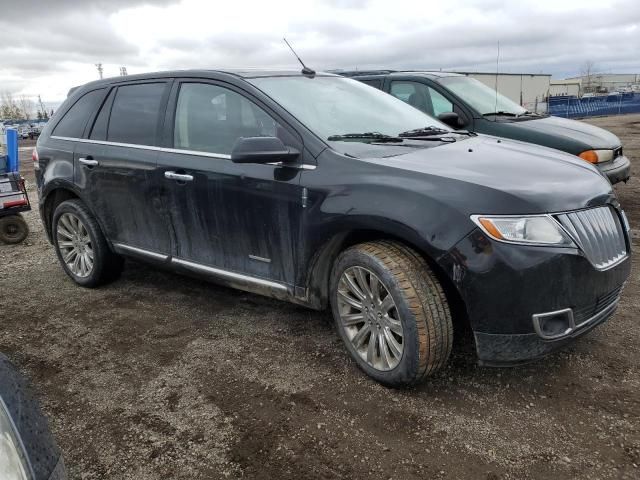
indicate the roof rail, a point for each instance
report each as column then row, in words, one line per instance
column 357, row 73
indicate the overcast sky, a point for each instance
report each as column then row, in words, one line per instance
column 46, row 47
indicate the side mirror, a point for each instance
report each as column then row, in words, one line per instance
column 452, row 119
column 27, row 448
column 262, row 150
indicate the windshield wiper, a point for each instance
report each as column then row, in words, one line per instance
column 500, row 113
column 420, row 133
column 380, row 137
column 423, row 132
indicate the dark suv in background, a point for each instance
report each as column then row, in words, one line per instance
column 464, row 102
column 320, row 190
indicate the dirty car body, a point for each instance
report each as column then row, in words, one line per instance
column 276, row 228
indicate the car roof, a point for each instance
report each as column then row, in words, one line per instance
column 202, row 73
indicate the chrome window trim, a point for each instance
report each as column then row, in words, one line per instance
column 144, row 147
column 196, row 153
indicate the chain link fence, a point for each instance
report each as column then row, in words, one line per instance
column 574, row 107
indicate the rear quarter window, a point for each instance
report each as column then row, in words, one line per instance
column 135, row 114
column 75, row 120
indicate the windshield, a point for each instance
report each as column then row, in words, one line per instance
column 334, row 106
column 481, row 97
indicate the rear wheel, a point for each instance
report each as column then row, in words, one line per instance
column 13, row 229
column 391, row 312
column 81, row 246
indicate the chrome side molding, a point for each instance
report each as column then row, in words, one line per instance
column 219, row 273
column 124, row 249
column 229, row 275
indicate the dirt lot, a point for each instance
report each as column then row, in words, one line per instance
column 158, row 376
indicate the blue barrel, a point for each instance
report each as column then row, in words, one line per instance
column 13, row 161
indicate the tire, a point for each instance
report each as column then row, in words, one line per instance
column 420, row 311
column 88, row 241
column 30, row 425
column 13, row 229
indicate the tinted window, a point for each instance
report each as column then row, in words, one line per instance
column 210, row 118
column 421, row 97
column 439, row 103
column 135, row 114
column 73, row 123
column 99, row 130
column 374, row 82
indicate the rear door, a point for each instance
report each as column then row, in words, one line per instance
column 116, row 168
column 57, row 153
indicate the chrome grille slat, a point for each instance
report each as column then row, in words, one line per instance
column 599, row 234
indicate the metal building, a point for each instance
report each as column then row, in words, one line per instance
column 527, row 89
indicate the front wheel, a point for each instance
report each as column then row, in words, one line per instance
column 391, row 312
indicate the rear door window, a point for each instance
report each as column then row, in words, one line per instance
column 75, row 120
column 210, row 118
column 99, row 130
column 135, row 114
column 374, row 82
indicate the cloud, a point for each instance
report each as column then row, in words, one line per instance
column 46, row 47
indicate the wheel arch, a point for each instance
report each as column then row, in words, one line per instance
column 319, row 273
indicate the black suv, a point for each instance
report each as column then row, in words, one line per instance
column 464, row 102
column 320, row 190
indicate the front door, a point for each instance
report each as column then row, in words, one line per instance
column 242, row 218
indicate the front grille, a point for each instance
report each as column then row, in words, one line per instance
column 599, row 233
column 582, row 314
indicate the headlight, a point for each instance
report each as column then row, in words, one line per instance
column 13, row 463
column 529, row 230
column 597, row 156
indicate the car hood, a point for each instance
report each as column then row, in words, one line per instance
column 490, row 175
column 569, row 130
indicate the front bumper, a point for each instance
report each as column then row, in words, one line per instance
column 505, row 350
column 504, row 287
column 617, row 170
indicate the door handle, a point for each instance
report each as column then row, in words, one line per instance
column 88, row 161
column 182, row 177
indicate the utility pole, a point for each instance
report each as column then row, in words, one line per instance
column 123, row 71
column 99, row 67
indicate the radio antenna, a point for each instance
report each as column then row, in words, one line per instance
column 497, row 65
column 305, row 70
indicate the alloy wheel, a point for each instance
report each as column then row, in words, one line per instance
column 75, row 245
column 370, row 318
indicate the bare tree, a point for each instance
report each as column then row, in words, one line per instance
column 9, row 109
column 587, row 73
column 26, row 107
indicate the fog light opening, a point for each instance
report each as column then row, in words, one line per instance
column 554, row 325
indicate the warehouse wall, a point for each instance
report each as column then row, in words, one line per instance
column 564, row 89
column 524, row 89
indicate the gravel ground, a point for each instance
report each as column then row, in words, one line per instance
column 159, row 376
